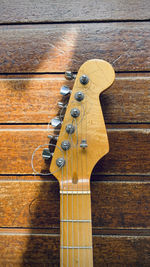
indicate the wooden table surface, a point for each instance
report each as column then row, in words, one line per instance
column 39, row 41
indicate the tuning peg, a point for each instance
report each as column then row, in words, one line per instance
column 61, row 105
column 65, row 90
column 47, row 154
column 69, row 75
column 55, row 122
column 53, row 137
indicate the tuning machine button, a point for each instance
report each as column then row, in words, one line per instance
column 60, row 162
column 46, row 154
column 55, row 122
column 69, row 75
column 65, row 90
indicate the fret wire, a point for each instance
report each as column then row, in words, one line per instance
column 75, row 220
column 75, row 192
column 74, row 247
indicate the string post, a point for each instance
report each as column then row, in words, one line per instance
column 60, row 162
column 84, row 79
column 70, row 129
column 65, row 145
column 79, row 96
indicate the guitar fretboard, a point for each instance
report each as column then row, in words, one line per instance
column 76, row 229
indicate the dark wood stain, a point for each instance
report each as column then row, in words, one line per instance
column 55, row 48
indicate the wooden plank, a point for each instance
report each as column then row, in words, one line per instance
column 15, row 250
column 129, row 151
column 29, row 100
column 115, row 205
column 127, row 100
column 37, row 250
column 95, row 231
column 34, row 99
column 57, row 47
column 83, row 10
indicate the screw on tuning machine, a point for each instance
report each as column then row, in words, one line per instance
column 65, row 90
column 69, row 75
column 46, row 154
column 55, row 122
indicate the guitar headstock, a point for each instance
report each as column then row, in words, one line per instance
column 83, row 139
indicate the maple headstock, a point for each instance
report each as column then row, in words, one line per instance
column 88, row 143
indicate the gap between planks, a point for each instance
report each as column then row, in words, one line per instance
column 60, row 76
column 97, row 21
column 53, row 181
column 140, row 130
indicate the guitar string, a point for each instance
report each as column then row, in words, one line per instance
column 67, row 202
column 72, row 200
column 62, row 196
column 77, row 190
column 33, row 155
column 82, row 179
column 86, row 162
column 86, row 173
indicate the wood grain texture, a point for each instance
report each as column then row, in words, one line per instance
column 129, row 151
column 57, row 47
column 90, row 126
column 33, row 99
column 29, row 205
column 37, row 250
column 52, row 11
column 115, row 205
column 76, row 234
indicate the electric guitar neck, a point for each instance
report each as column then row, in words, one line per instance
column 81, row 143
